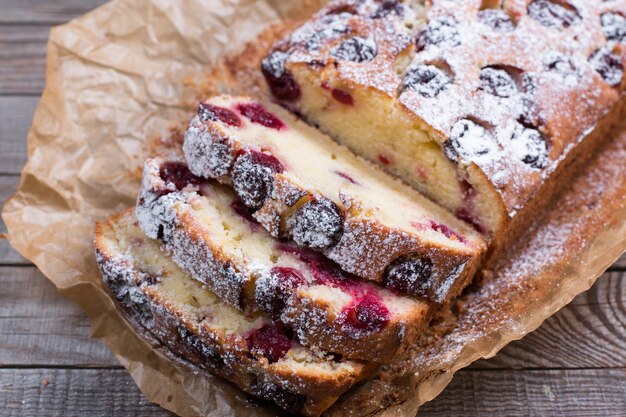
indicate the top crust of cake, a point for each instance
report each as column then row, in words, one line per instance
column 509, row 87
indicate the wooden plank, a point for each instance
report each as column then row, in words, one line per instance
column 23, row 57
column 8, row 255
column 16, row 116
column 588, row 333
column 44, row 11
column 38, row 326
column 577, row 392
column 72, row 392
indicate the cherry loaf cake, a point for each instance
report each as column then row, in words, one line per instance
column 213, row 237
column 255, row 353
column 480, row 104
column 303, row 186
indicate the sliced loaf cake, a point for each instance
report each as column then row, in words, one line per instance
column 214, row 238
column 481, row 105
column 303, row 186
column 256, row 354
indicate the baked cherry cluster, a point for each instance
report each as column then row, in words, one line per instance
column 366, row 313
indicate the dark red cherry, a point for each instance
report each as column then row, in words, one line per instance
column 530, row 113
column 243, row 211
column 410, row 274
column 318, row 224
column 442, row 31
column 273, row 290
column 554, row 13
column 342, row 96
column 252, row 176
column 608, row 65
column 367, row 314
column 530, row 146
column 280, row 81
column 331, row 27
column 497, row 81
column 497, row 19
column 258, row 114
column 447, row 231
column 427, row 80
column 384, row 160
column 205, row 354
column 346, row 177
column 178, row 173
column 208, row 112
column 613, row 26
column 387, row 8
column 560, row 64
column 323, row 270
column 469, row 140
column 269, row 341
column 356, row 49
column 467, row 215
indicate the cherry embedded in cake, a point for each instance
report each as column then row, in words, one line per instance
column 178, row 175
column 466, row 92
column 207, row 112
column 270, row 342
column 193, row 326
column 427, row 80
column 305, row 187
column 210, row 233
column 497, row 19
column 252, row 176
column 554, row 13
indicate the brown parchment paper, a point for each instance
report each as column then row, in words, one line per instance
column 128, row 72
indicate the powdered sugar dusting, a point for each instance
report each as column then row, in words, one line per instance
column 233, row 274
column 286, row 207
column 191, row 333
column 567, row 69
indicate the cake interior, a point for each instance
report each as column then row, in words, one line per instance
column 375, row 127
column 316, row 162
column 167, row 285
column 229, row 225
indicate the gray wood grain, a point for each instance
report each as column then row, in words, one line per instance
column 8, row 255
column 23, row 57
column 40, row 328
column 588, row 333
column 72, row 392
column 44, row 12
column 576, row 392
column 16, row 116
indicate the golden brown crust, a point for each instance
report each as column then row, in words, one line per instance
column 235, row 279
column 566, row 75
column 194, row 343
column 366, row 247
column 567, row 104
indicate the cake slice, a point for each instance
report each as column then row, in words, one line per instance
column 481, row 105
column 256, row 354
column 214, row 238
column 303, row 186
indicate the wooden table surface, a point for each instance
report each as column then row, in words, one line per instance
column 574, row 365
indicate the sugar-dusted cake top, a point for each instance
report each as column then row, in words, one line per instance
column 511, row 86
